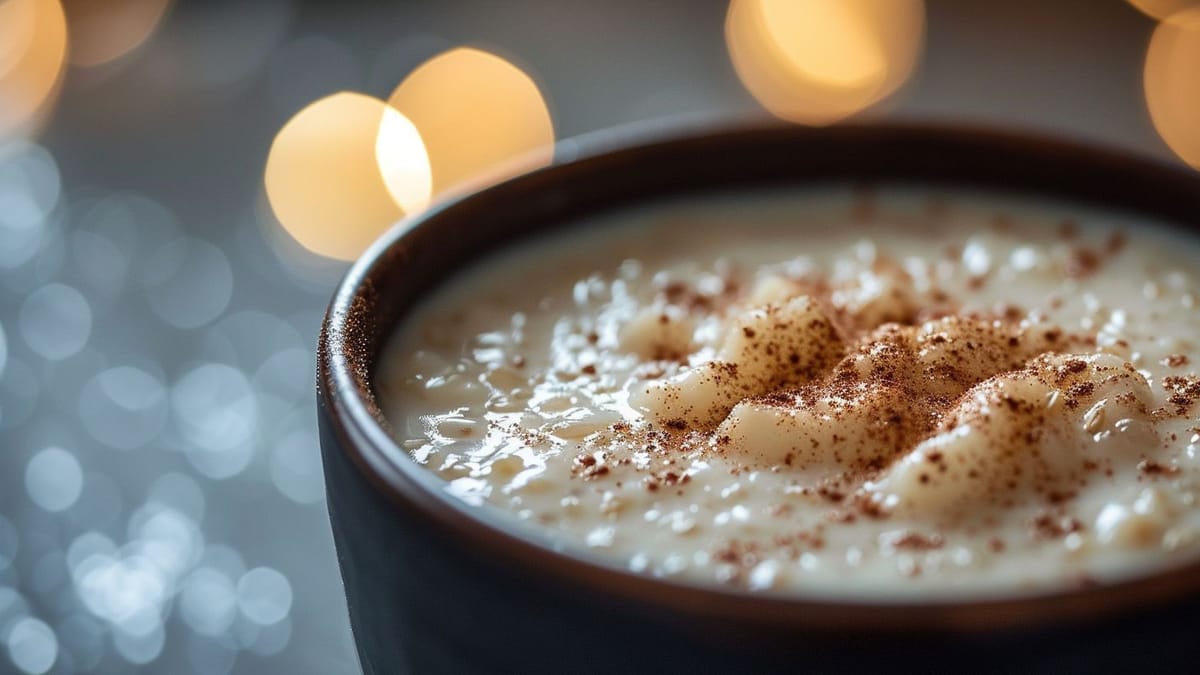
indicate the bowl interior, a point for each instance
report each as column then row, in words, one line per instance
column 591, row 177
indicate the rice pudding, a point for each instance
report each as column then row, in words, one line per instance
column 839, row 392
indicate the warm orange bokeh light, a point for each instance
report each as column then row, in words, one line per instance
column 1161, row 9
column 480, row 116
column 106, row 30
column 343, row 170
column 33, row 45
column 1172, row 84
column 817, row 61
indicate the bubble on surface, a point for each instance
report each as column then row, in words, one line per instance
column 264, row 596
column 53, row 479
column 123, row 407
column 179, row 492
column 208, row 602
column 55, row 321
column 188, row 282
column 32, row 646
column 19, row 391
column 9, row 543
column 216, row 413
column 296, row 467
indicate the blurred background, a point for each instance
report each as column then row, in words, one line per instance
column 182, row 183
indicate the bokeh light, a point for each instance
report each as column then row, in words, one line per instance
column 188, row 282
column 32, row 646
column 55, row 321
column 1161, row 9
column 1172, row 82
column 264, row 596
column 123, row 407
column 54, row 479
column 818, row 61
column 33, row 46
column 105, row 30
column 481, row 117
column 343, row 170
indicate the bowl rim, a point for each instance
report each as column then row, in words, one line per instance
column 346, row 397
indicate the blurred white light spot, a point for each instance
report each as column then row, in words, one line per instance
column 86, row 546
column 188, row 282
column 208, row 602
column 3, row 350
column 55, row 321
column 296, row 467
column 126, row 592
column 53, row 479
column 140, row 649
column 32, row 646
column 29, row 190
column 123, row 407
column 180, row 492
column 217, row 414
column 264, row 596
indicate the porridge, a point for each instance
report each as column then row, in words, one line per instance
column 830, row 392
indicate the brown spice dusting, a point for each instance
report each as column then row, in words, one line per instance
column 915, row 541
column 1149, row 467
column 1081, row 262
column 518, row 361
column 589, row 369
column 1175, row 361
column 1115, row 243
column 1053, row 524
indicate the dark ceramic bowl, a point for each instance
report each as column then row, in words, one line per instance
column 435, row 586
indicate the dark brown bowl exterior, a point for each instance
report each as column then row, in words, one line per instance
column 435, row 586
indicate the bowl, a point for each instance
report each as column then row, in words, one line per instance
column 437, row 586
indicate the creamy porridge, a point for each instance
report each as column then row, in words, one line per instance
column 834, row 392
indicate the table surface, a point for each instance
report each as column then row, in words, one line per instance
column 182, row 411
